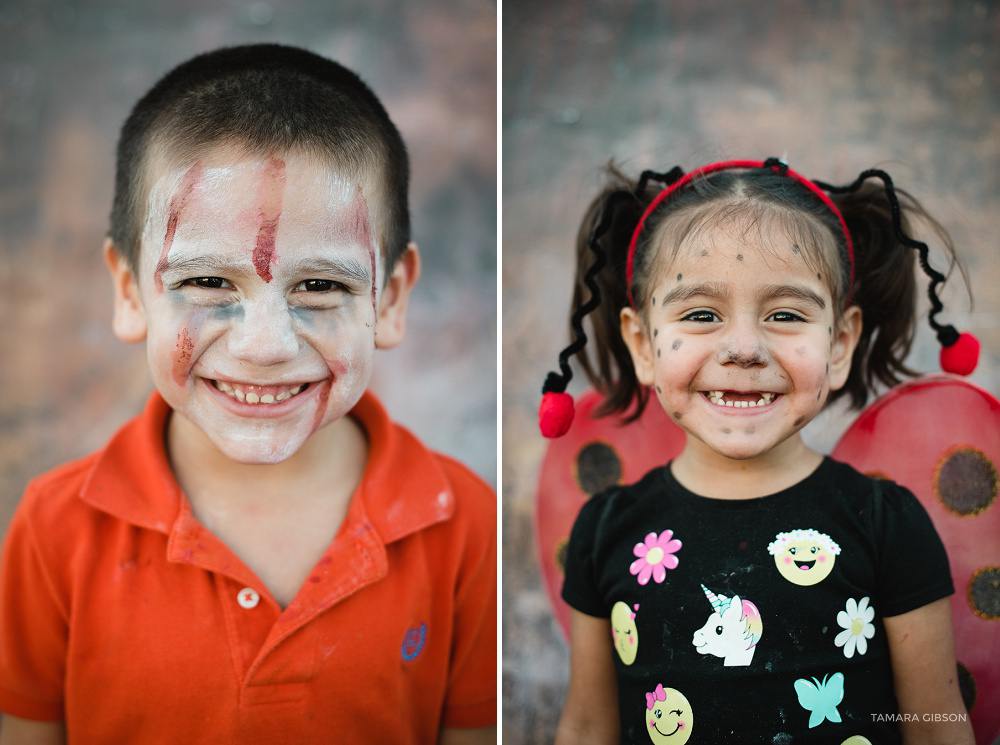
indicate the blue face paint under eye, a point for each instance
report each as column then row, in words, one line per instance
column 227, row 313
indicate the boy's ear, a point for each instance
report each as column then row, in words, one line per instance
column 637, row 341
column 844, row 342
column 390, row 324
column 129, row 321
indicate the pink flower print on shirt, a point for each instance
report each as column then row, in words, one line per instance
column 656, row 555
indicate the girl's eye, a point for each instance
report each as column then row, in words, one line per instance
column 209, row 283
column 701, row 316
column 785, row 316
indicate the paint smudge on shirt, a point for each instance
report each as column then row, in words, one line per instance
column 270, row 195
column 178, row 202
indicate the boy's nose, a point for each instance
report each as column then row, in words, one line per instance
column 265, row 335
column 744, row 347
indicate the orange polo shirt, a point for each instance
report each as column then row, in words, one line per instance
column 126, row 618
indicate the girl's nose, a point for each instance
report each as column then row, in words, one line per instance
column 265, row 335
column 743, row 346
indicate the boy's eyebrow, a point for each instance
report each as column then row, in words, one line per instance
column 207, row 266
column 345, row 267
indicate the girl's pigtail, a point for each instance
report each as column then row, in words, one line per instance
column 885, row 285
column 600, row 292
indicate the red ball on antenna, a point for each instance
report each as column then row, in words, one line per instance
column 555, row 414
column 962, row 356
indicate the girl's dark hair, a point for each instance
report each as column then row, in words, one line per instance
column 884, row 284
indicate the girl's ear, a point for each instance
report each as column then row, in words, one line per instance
column 129, row 321
column 637, row 340
column 390, row 323
column 845, row 340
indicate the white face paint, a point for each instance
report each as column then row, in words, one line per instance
column 258, row 278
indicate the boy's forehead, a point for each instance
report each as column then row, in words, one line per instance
column 228, row 196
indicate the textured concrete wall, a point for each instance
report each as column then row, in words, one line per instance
column 69, row 73
column 913, row 87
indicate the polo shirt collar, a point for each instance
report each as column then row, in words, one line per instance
column 403, row 489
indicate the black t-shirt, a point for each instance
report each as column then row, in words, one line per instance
column 758, row 620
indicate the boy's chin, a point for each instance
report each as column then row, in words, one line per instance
column 254, row 452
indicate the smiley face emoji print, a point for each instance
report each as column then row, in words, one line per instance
column 804, row 557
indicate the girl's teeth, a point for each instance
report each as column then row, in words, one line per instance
column 718, row 398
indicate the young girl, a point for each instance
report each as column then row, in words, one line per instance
column 752, row 590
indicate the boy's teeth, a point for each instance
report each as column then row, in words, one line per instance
column 257, row 398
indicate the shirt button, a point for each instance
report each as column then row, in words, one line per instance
column 248, row 598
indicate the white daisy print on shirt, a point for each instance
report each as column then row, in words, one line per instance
column 856, row 620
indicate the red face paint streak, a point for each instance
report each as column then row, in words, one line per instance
column 177, row 203
column 362, row 231
column 270, row 194
column 187, row 338
column 321, row 402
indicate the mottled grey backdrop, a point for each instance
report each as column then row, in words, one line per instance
column 70, row 71
column 913, row 87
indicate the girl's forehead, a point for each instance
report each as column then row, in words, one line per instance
column 741, row 245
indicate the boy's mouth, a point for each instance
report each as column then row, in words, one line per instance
column 737, row 400
column 259, row 394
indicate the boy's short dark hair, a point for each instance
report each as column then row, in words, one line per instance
column 262, row 97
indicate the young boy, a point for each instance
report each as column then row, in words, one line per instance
column 261, row 556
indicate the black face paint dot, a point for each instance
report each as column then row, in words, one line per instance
column 560, row 554
column 739, row 257
column 676, row 344
column 795, row 248
column 598, row 467
column 798, row 421
column 656, row 332
column 658, row 389
column 654, row 299
column 984, row 593
column 819, row 276
column 677, row 415
column 965, row 481
column 819, row 395
column 967, row 686
column 657, row 351
column 726, row 430
column 680, row 277
column 704, row 253
column 829, row 330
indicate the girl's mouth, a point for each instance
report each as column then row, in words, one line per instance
column 265, row 395
column 737, row 400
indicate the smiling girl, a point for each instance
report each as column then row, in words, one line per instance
column 784, row 597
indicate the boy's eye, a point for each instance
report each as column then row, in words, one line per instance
column 701, row 316
column 318, row 285
column 209, row 283
column 785, row 316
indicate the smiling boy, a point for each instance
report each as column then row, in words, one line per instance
column 261, row 556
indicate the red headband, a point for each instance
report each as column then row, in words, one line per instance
column 726, row 164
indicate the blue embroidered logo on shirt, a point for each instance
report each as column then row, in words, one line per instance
column 413, row 641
